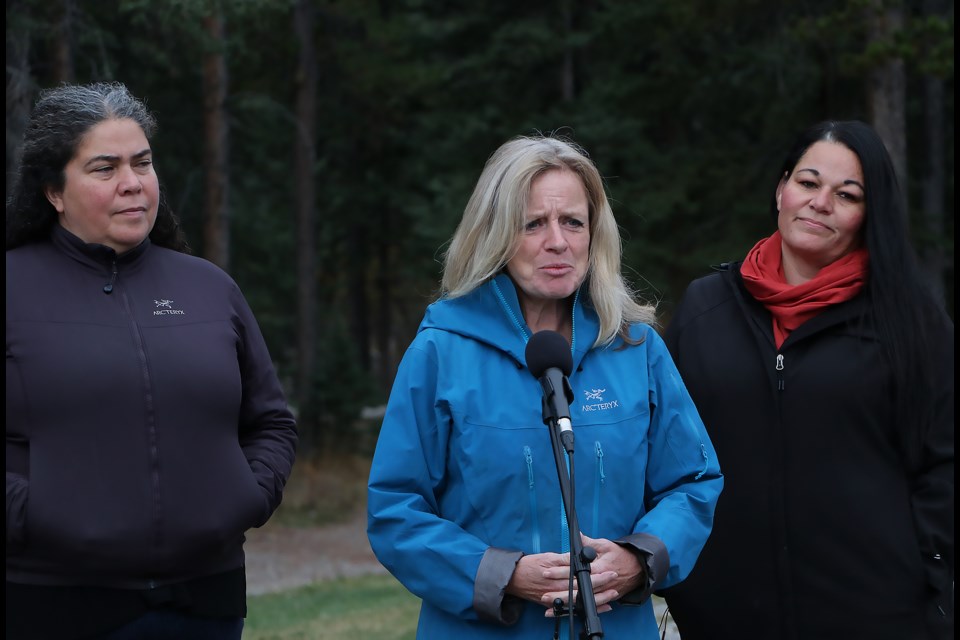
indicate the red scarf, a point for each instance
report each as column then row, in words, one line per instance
column 790, row 305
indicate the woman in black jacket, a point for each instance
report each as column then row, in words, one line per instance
column 823, row 370
column 146, row 427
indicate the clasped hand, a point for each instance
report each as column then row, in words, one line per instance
column 544, row 577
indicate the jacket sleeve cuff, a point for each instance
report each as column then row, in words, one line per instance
column 655, row 558
column 490, row 600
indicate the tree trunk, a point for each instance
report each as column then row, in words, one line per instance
column 932, row 210
column 386, row 367
column 358, row 292
column 304, row 159
column 63, row 44
column 567, row 76
column 887, row 88
column 19, row 97
column 216, row 232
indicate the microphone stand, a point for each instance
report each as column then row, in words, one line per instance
column 580, row 556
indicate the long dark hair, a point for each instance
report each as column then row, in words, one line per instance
column 903, row 307
column 60, row 119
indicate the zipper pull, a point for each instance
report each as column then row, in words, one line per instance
column 779, row 367
column 108, row 288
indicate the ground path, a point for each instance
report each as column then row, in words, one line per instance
column 281, row 557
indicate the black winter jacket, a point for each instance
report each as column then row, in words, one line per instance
column 828, row 528
column 146, row 427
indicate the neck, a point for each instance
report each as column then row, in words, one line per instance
column 795, row 269
column 549, row 315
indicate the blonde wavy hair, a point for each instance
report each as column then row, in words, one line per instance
column 489, row 231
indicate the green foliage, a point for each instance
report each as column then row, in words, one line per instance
column 684, row 105
column 340, row 389
column 930, row 45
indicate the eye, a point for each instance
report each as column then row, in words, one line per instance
column 575, row 222
column 532, row 225
column 849, row 197
column 807, row 184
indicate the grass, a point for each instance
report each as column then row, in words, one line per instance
column 372, row 607
column 325, row 490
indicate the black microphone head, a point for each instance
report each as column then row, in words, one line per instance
column 547, row 349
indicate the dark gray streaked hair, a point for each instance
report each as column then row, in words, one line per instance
column 60, row 119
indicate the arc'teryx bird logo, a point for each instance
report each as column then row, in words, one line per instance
column 165, row 308
column 599, row 404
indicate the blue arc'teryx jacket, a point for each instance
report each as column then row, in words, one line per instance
column 464, row 481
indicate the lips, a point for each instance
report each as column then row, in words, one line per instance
column 812, row 223
column 557, row 269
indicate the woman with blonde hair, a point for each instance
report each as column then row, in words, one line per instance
column 464, row 499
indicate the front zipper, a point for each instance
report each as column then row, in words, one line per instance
column 779, row 368
column 152, row 437
column 503, row 302
column 522, row 326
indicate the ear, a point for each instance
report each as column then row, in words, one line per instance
column 55, row 198
column 783, row 181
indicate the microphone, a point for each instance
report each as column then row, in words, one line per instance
column 549, row 360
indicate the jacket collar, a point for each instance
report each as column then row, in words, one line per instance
column 491, row 314
column 93, row 254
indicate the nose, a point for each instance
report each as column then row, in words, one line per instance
column 556, row 241
column 821, row 201
column 129, row 181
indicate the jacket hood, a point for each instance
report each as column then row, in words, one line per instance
column 491, row 314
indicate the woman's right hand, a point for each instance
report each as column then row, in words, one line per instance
column 544, row 577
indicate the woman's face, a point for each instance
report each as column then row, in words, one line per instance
column 553, row 249
column 821, row 205
column 110, row 193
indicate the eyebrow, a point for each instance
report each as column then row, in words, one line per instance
column 105, row 157
column 817, row 173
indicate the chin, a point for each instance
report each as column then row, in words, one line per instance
column 560, row 295
column 129, row 243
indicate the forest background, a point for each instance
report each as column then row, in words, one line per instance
column 322, row 152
